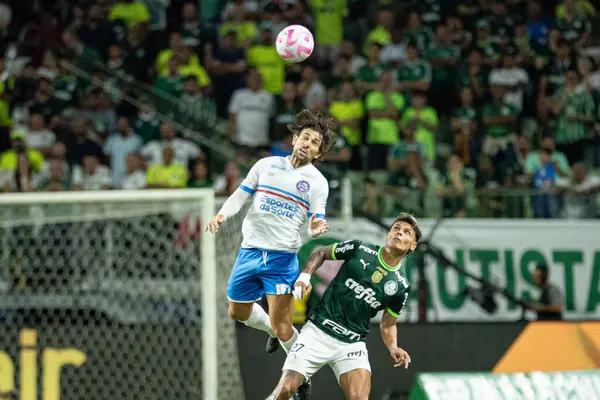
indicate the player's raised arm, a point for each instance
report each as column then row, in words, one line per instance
column 234, row 203
column 320, row 254
column 317, row 224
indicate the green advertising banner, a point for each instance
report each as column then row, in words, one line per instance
column 580, row 385
column 503, row 251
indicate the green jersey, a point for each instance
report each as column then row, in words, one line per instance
column 423, row 37
column 572, row 30
column 364, row 285
column 567, row 131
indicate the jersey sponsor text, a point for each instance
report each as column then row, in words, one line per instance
column 367, row 294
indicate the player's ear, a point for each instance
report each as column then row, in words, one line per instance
column 413, row 247
column 294, row 139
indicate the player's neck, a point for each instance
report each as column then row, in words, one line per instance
column 297, row 163
column 391, row 256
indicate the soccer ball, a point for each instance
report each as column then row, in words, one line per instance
column 295, row 43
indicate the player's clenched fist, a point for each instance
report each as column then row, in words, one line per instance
column 213, row 225
column 401, row 357
column 302, row 287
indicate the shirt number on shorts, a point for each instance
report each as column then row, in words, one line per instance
column 296, row 347
column 283, row 289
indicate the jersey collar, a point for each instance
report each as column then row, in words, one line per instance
column 383, row 263
column 287, row 159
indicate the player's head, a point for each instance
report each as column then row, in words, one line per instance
column 404, row 234
column 314, row 134
column 540, row 275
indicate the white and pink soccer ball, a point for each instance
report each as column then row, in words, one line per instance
column 295, row 43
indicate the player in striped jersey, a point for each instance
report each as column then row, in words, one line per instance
column 288, row 191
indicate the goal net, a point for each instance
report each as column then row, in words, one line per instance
column 116, row 295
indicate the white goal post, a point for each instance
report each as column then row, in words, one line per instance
column 130, row 220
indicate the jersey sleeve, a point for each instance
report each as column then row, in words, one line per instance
column 318, row 201
column 251, row 181
column 398, row 302
column 344, row 250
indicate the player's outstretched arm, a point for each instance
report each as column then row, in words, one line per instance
column 318, row 256
column 389, row 335
column 232, row 206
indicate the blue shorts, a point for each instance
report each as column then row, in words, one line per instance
column 257, row 272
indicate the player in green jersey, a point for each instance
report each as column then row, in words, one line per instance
column 370, row 280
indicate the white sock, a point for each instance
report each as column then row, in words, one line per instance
column 287, row 346
column 259, row 319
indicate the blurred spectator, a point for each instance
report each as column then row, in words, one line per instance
column 474, row 74
column 498, row 119
column 249, row 8
column 384, row 107
column 557, row 158
column 310, row 88
column 382, row 34
column 538, row 25
column 200, row 178
column 394, row 54
column 98, row 110
column 245, row 29
column 38, row 137
column 91, row 175
column 405, row 161
column 544, row 178
column 512, row 78
column 573, row 25
column 55, row 171
column 264, row 57
column 574, row 112
column 458, row 34
column 157, row 10
column 44, row 103
column 416, row 32
column 250, row 112
column 328, row 19
column 484, row 42
column 349, row 110
column 130, row 12
column 168, row 174
column 426, row 119
column 502, row 25
column 348, row 53
column 415, row 74
column 184, row 150
column 368, row 75
column 135, row 177
column 371, row 203
column 465, row 123
column 191, row 31
column 118, row 146
column 228, row 66
column 80, row 143
column 188, row 62
column 288, row 105
column 146, row 124
column 454, row 185
column 581, row 189
column 96, row 32
column 229, row 181
column 553, row 78
column 169, row 87
column 337, row 161
column 11, row 160
column 193, row 110
column 443, row 57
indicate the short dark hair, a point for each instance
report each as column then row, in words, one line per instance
column 412, row 221
column 326, row 126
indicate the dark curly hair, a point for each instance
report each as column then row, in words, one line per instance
column 326, row 126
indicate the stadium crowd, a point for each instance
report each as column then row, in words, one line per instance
column 460, row 100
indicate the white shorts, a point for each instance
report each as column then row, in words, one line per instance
column 314, row 349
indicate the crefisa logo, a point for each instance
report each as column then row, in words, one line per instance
column 303, row 186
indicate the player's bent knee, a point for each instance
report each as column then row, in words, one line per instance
column 287, row 389
column 239, row 312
